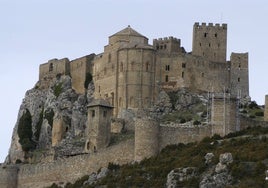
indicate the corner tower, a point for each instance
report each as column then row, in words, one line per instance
column 210, row 41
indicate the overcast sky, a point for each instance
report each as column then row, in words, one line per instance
column 34, row 31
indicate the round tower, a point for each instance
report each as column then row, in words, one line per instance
column 266, row 108
column 8, row 176
column 146, row 138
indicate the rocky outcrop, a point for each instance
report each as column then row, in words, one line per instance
column 58, row 116
column 179, row 175
column 219, row 177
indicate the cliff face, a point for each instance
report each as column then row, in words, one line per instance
column 58, row 117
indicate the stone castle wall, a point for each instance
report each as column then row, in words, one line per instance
column 266, row 108
column 177, row 133
column 210, row 41
column 8, row 176
column 72, row 168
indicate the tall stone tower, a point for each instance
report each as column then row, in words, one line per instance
column 210, row 41
column 239, row 82
column 266, row 108
column 98, row 125
column 224, row 116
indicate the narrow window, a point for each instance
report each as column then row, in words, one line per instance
column 239, row 65
column 166, row 78
column 183, row 65
column 203, row 53
column 99, row 89
column 209, row 44
column 104, row 113
column 165, row 46
column 121, row 66
column 93, row 113
column 167, row 67
column 161, row 47
column 238, row 79
column 147, row 66
column 50, row 67
column 88, row 146
column 109, row 58
column 182, row 74
column 216, row 35
column 205, row 34
column 202, row 74
column 200, row 44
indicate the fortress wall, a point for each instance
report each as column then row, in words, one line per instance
column 174, row 134
column 146, row 138
column 70, row 169
column 8, row 176
column 78, row 70
column 246, row 122
column 266, row 108
column 54, row 67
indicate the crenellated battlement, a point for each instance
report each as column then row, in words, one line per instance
column 210, row 25
column 167, row 44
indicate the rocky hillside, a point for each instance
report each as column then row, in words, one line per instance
column 32, row 135
column 237, row 160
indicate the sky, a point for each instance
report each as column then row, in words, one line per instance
column 35, row 31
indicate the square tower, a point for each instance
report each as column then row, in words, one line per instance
column 98, row 125
column 210, row 41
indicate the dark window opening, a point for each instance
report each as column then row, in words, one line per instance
column 167, row 67
column 202, row 74
column 121, row 67
column 209, row 44
column 109, row 58
column 161, row 47
column 99, row 89
column 239, row 66
column 95, row 149
column 238, row 79
column 200, row 44
column 205, row 34
column 51, row 67
column 157, row 47
column 66, row 129
column 88, row 146
column 93, row 113
column 203, row 53
column 104, row 113
column 183, row 65
column 216, row 34
column 166, row 78
column 182, row 74
column 165, row 46
column 147, row 66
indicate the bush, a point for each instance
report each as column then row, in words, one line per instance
column 25, row 132
column 253, row 104
column 57, row 89
column 259, row 113
column 196, row 122
column 182, row 120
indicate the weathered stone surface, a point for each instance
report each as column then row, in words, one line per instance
column 209, row 157
column 219, row 177
column 179, row 175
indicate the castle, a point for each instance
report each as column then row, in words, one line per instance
column 129, row 75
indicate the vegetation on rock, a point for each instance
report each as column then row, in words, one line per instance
column 25, row 132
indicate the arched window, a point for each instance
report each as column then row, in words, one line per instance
column 147, row 66
column 121, row 67
column 109, row 58
column 166, row 78
column 51, row 67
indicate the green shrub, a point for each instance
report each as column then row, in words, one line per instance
column 196, row 122
column 260, row 113
column 25, row 132
column 49, row 115
column 182, row 120
column 253, row 104
column 58, row 89
column 88, row 80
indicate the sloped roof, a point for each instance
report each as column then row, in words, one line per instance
column 99, row 102
column 128, row 31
